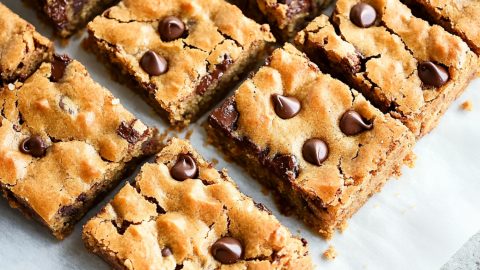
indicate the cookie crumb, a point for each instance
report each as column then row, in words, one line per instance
column 343, row 226
column 188, row 135
column 330, row 254
column 215, row 161
column 467, row 106
column 11, row 86
column 410, row 160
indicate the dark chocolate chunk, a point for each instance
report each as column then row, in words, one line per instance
column 166, row 252
column 171, row 28
column 59, row 64
column 34, row 146
column 153, row 64
column 214, row 75
column 363, row 15
column 285, row 107
column 432, row 74
column 315, row 151
column 184, row 168
column 352, row 123
column 127, row 132
column 226, row 116
column 285, row 165
column 227, row 250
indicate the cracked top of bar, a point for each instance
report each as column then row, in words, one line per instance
column 384, row 58
column 215, row 32
column 250, row 118
column 61, row 135
column 459, row 16
column 167, row 223
column 22, row 49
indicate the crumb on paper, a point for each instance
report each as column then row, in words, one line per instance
column 330, row 254
column 410, row 160
column 467, row 106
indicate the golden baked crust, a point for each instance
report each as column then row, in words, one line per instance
column 354, row 163
column 187, row 217
column 216, row 32
column 382, row 60
column 460, row 17
column 22, row 49
column 89, row 138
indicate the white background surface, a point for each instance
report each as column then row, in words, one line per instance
column 416, row 222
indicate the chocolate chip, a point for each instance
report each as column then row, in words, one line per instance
column 171, row 28
column 285, row 165
column 315, row 151
column 227, row 250
column 166, row 252
column 214, row 75
column 432, row 74
column 34, row 146
column 153, row 64
column 285, row 107
column 226, row 116
column 363, row 15
column 184, row 168
column 352, row 123
column 127, row 132
column 59, row 64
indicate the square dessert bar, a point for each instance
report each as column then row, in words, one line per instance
column 181, row 213
column 69, row 16
column 183, row 55
column 402, row 64
column 22, row 49
column 64, row 141
column 287, row 17
column 459, row 17
column 322, row 146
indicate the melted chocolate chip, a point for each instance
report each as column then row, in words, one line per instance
column 315, row 151
column 352, row 123
column 127, row 132
column 285, row 165
column 214, row 75
column 227, row 250
column 166, row 252
column 363, row 15
column 34, row 146
column 285, row 107
column 153, row 64
column 226, row 116
column 184, row 168
column 171, row 28
column 432, row 74
column 59, row 64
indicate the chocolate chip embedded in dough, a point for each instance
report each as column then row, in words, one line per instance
column 153, row 64
column 315, row 151
column 352, row 123
column 184, row 168
column 227, row 250
column 363, row 15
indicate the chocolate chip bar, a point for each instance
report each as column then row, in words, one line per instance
column 402, row 64
column 182, row 55
column 69, row 16
column 287, row 17
column 320, row 145
column 181, row 213
column 65, row 141
column 459, row 17
column 22, row 49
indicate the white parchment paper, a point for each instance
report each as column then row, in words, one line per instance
column 416, row 222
